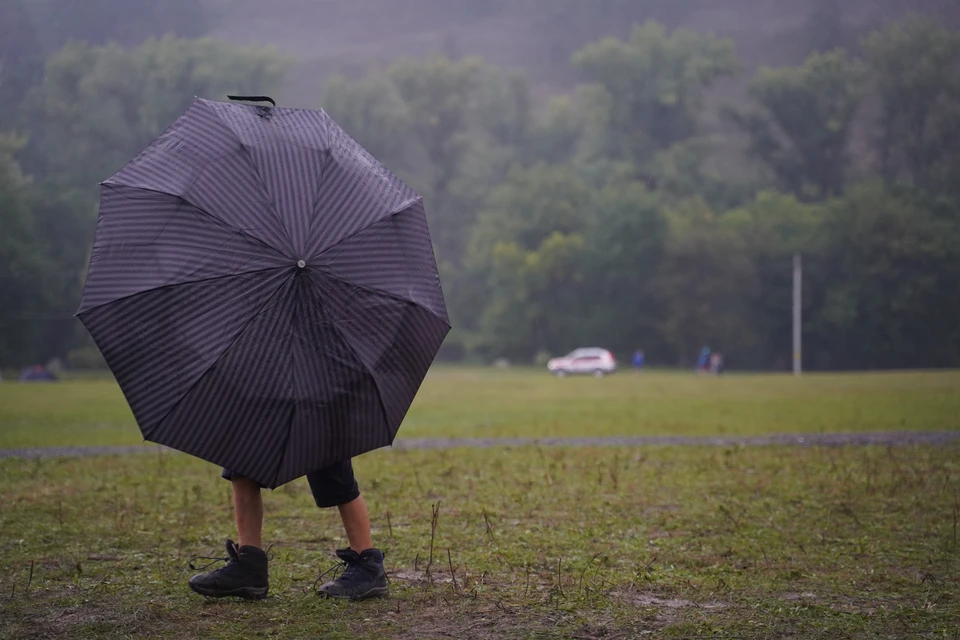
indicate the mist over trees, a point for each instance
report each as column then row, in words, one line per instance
column 636, row 210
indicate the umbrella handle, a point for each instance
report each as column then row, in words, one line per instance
column 254, row 99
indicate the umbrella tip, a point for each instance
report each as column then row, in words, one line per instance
column 301, row 264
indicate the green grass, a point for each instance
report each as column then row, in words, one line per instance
column 472, row 403
column 546, row 543
column 530, row 542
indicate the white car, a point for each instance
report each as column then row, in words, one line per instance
column 593, row 361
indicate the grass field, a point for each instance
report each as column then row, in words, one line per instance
column 477, row 403
column 517, row 542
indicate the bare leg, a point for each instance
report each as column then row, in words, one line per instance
column 356, row 522
column 248, row 511
column 364, row 577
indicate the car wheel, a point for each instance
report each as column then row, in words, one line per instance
column 599, row 373
column 560, row 373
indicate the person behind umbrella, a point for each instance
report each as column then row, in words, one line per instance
column 245, row 574
column 245, row 244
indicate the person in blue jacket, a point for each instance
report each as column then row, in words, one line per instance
column 704, row 360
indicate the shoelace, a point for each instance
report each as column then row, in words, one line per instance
column 233, row 555
column 345, row 565
column 336, row 572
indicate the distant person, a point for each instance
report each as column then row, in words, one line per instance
column 639, row 359
column 704, row 360
column 716, row 362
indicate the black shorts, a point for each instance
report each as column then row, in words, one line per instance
column 331, row 486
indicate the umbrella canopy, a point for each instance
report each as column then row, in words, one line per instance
column 264, row 291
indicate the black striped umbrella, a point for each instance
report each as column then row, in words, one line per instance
column 264, row 291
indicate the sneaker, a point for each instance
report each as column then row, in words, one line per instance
column 363, row 576
column 245, row 575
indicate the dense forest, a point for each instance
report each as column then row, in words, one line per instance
column 596, row 174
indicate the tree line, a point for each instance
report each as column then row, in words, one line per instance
column 634, row 212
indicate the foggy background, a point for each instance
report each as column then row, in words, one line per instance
column 618, row 173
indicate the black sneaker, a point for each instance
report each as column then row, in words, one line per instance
column 245, row 575
column 362, row 578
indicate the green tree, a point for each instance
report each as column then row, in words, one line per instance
column 373, row 112
column 502, row 106
column 555, row 133
column 624, row 248
column 65, row 222
column 800, row 129
column 439, row 95
column 520, row 259
column 534, row 203
column 536, row 297
column 451, row 129
column 682, row 171
column 914, row 70
column 648, row 91
column 497, row 129
column 99, row 106
column 25, row 272
column 705, row 283
column 883, row 284
column 772, row 228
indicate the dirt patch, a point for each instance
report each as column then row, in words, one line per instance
column 493, row 621
column 446, row 624
column 650, row 600
column 842, row 604
column 419, row 577
column 70, row 622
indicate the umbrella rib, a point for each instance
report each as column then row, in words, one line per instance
column 343, row 337
column 222, row 223
column 382, row 292
column 383, row 407
column 406, row 204
column 240, row 333
column 286, row 444
column 180, row 284
column 316, row 197
column 256, row 172
column 273, row 206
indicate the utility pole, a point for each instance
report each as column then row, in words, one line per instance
column 797, row 304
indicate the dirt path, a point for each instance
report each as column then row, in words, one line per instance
column 891, row 438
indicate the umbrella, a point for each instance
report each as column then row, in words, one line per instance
column 264, row 290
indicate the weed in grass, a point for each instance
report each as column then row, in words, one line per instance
column 657, row 553
column 541, row 542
